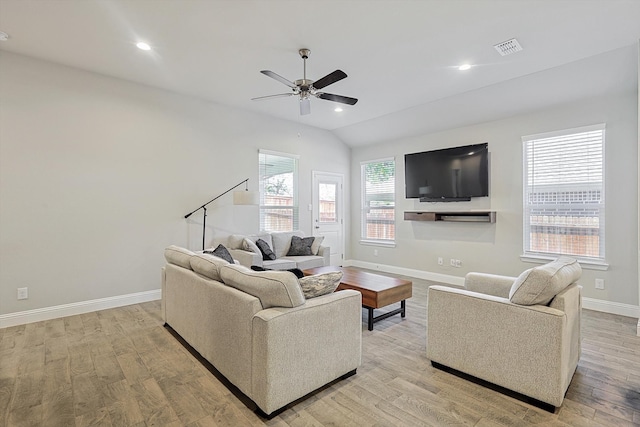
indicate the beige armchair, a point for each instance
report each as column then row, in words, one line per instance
column 487, row 331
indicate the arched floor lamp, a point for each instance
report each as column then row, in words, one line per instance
column 245, row 197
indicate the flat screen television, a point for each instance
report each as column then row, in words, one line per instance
column 448, row 175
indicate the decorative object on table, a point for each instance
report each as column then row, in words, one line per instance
column 239, row 198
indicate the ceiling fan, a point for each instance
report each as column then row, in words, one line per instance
column 305, row 88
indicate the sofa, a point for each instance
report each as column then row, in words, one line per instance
column 244, row 249
column 258, row 329
column 520, row 333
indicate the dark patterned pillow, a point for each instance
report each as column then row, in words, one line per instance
column 221, row 252
column 267, row 253
column 320, row 284
column 300, row 246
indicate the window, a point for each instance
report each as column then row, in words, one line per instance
column 378, row 200
column 278, row 191
column 564, row 193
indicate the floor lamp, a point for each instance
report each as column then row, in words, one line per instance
column 245, row 197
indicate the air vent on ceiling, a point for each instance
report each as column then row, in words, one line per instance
column 508, row 47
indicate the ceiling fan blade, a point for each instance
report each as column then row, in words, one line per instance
column 329, row 79
column 337, row 98
column 278, row 78
column 280, row 95
column 305, row 106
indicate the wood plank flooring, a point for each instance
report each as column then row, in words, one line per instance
column 121, row 367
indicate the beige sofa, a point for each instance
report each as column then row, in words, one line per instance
column 258, row 330
column 248, row 254
column 522, row 333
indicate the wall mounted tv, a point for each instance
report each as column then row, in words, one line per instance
column 448, row 175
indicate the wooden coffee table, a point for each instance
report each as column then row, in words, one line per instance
column 377, row 290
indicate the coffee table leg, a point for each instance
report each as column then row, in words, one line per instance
column 370, row 319
column 403, row 308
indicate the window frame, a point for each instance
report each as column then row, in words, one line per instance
column 364, row 209
column 529, row 255
column 295, row 209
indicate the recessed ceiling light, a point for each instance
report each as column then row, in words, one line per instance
column 143, row 46
column 464, row 67
column 337, row 109
column 4, row 36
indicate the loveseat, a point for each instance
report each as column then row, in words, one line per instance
column 245, row 249
column 257, row 328
column 521, row 333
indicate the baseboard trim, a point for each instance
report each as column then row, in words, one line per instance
column 48, row 313
column 627, row 310
column 621, row 309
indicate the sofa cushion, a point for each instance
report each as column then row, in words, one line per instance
column 280, row 264
column 221, row 252
column 282, row 241
column 264, row 236
column 540, row 284
column 178, row 256
column 315, row 247
column 267, row 253
column 320, row 284
column 207, row 265
column 273, row 288
column 304, row 262
column 300, row 246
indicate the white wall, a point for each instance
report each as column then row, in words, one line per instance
column 495, row 248
column 96, row 175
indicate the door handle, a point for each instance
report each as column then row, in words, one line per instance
column 317, row 226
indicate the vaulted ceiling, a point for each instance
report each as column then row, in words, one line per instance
column 401, row 56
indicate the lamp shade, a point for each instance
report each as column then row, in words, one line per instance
column 246, row 197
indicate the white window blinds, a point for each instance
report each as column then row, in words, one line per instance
column 378, row 200
column 564, row 193
column 278, row 177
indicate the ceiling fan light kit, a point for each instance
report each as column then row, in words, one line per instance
column 305, row 88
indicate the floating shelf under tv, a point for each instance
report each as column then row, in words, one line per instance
column 461, row 216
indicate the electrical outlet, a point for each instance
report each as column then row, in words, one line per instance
column 599, row 283
column 375, row 252
column 23, row 293
column 440, row 261
column 452, row 262
column 458, row 263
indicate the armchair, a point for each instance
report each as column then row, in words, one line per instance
column 485, row 330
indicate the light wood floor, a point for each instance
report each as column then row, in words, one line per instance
column 120, row 367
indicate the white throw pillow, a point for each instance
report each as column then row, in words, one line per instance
column 315, row 247
column 250, row 245
column 539, row 285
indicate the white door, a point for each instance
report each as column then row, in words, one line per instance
column 328, row 212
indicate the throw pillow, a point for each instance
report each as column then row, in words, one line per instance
column 300, row 246
column 267, row 253
column 221, row 252
column 540, row 284
column 317, row 241
column 320, row 284
column 249, row 245
column 295, row 271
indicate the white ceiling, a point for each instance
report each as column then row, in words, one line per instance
column 401, row 56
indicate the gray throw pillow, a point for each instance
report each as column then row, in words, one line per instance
column 300, row 246
column 320, row 284
column 221, row 252
column 267, row 253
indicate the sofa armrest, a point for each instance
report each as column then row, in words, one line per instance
column 246, row 258
column 490, row 284
column 325, row 252
column 518, row 347
column 297, row 350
